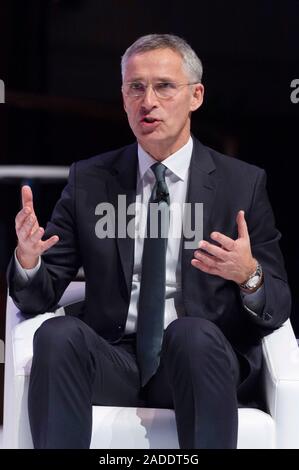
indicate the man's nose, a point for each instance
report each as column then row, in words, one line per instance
column 149, row 97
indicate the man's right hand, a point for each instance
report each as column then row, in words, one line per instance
column 30, row 245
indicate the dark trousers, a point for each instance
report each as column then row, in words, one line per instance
column 74, row 368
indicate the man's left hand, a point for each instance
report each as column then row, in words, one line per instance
column 232, row 260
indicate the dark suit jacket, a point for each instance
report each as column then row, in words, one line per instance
column 225, row 185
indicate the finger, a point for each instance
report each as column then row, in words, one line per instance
column 36, row 234
column 35, row 224
column 27, row 197
column 205, row 258
column 30, row 222
column 242, row 225
column 214, row 250
column 49, row 243
column 26, row 228
column 203, row 267
column 226, row 242
column 21, row 216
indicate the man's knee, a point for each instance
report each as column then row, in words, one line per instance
column 190, row 333
column 56, row 335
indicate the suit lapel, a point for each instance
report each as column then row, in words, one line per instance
column 123, row 182
column 201, row 189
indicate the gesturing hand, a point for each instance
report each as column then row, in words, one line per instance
column 231, row 260
column 29, row 233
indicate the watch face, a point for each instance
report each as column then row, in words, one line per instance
column 253, row 281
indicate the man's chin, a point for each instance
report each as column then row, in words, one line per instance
column 154, row 134
column 151, row 139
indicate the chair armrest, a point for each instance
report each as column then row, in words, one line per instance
column 20, row 330
column 18, row 357
column 74, row 293
column 281, row 383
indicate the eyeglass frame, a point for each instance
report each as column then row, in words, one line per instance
column 178, row 85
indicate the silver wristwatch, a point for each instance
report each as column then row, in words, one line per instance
column 254, row 279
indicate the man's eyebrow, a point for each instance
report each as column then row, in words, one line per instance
column 135, row 79
column 164, row 79
column 157, row 79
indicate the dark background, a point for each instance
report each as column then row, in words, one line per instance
column 60, row 59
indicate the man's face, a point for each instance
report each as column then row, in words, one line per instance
column 160, row 125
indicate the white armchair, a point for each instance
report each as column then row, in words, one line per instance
column 148, row 428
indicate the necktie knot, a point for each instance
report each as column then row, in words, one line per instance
column 160, row 191
column 159, row 171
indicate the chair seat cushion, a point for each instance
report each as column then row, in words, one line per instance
column 149, row 428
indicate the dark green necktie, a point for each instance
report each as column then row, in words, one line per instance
column 150, row 321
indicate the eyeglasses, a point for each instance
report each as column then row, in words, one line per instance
column 163, row 90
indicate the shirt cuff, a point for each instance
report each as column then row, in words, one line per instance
column 254, row 303
column 26, row 274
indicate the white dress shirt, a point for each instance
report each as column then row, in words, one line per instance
column 176, row 177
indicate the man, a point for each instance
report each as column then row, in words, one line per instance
column 214, row 302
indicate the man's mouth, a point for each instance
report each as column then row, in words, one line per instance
column 149, row 120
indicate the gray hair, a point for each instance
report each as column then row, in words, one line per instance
column 191, row 61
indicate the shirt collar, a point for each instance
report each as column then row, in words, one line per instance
column 178, row 163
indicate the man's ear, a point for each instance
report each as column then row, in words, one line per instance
column 124, row 101
column 197, row 97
